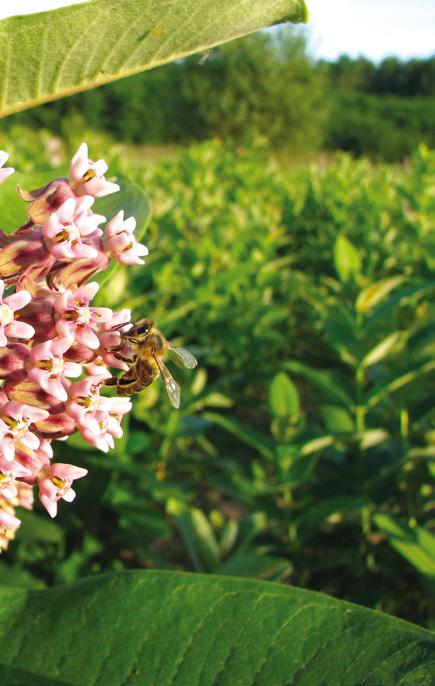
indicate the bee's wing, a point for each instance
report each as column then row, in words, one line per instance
column 184, row 356
column 171, row 387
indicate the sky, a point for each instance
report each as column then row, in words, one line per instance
column 374, row 28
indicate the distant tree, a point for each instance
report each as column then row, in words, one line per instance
column 265, row 85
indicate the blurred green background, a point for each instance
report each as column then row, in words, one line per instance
column 292, row 250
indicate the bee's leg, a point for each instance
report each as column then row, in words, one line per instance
column 118, row 327
column 110, row 382
column 131, row 339
column 118, row 351
column 124, row 358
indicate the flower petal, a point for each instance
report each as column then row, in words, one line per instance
column 19, row 330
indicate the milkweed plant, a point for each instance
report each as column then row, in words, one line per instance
column 56, row 348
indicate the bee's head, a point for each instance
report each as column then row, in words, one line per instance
column 142, row 328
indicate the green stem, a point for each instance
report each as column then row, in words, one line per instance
column 404, row 427
column 360, row 414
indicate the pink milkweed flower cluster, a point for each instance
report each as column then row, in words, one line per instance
column 56, row 346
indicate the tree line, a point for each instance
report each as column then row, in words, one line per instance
column 265, row 85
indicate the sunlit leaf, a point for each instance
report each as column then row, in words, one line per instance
column 381, row 350
column 376, row 293
column 53, row 54
column 346, row 258
column 197, row 533
column 283, row 396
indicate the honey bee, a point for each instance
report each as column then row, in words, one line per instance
column 143, row 348
column 205, row 55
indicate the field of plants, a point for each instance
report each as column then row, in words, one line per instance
column 303, row 450
column 277, row 526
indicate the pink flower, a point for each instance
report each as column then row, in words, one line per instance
column 8, row 524
column 55, row 483
column 9, row 326
column 15, row 421
column 109, row 422
column 98, row 368
column 120, row 242
column 64, row 232
column 76, row 320
column 87, row 177
column 48, row 368
column 9, row 472
column 7, row 171
column 24, row 495
column 21, row 252
column 57, row 425
column 85, row 401
column 13, row 359
column 46, row 265
column 111, row 342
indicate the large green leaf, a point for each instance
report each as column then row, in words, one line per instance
column 154, row 628
column 47, row 56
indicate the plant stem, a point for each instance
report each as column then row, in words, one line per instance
column 360, row 413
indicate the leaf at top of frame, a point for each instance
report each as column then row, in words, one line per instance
column 49, row 55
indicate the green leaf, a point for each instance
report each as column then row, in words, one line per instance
column 261, row 443
column 374, row 294
column 337, row 419
column 50, row 55
column 324, row 381
column 346, row 259
column 410, row 294
column 16, row 576
column 256, row 566
column 131, row 199
column 384, row 388
column 414, row 544
column 36, row 527
column 283, row 396
column 12, row 209
column 381, row 350
column 167, row 628
column 197, row 533
column 341, row 507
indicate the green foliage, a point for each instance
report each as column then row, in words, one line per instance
column 309, row 423
column 392, row 76
column 386, row 128
column 264, row 85
column 46, row 59
column 157, row 627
